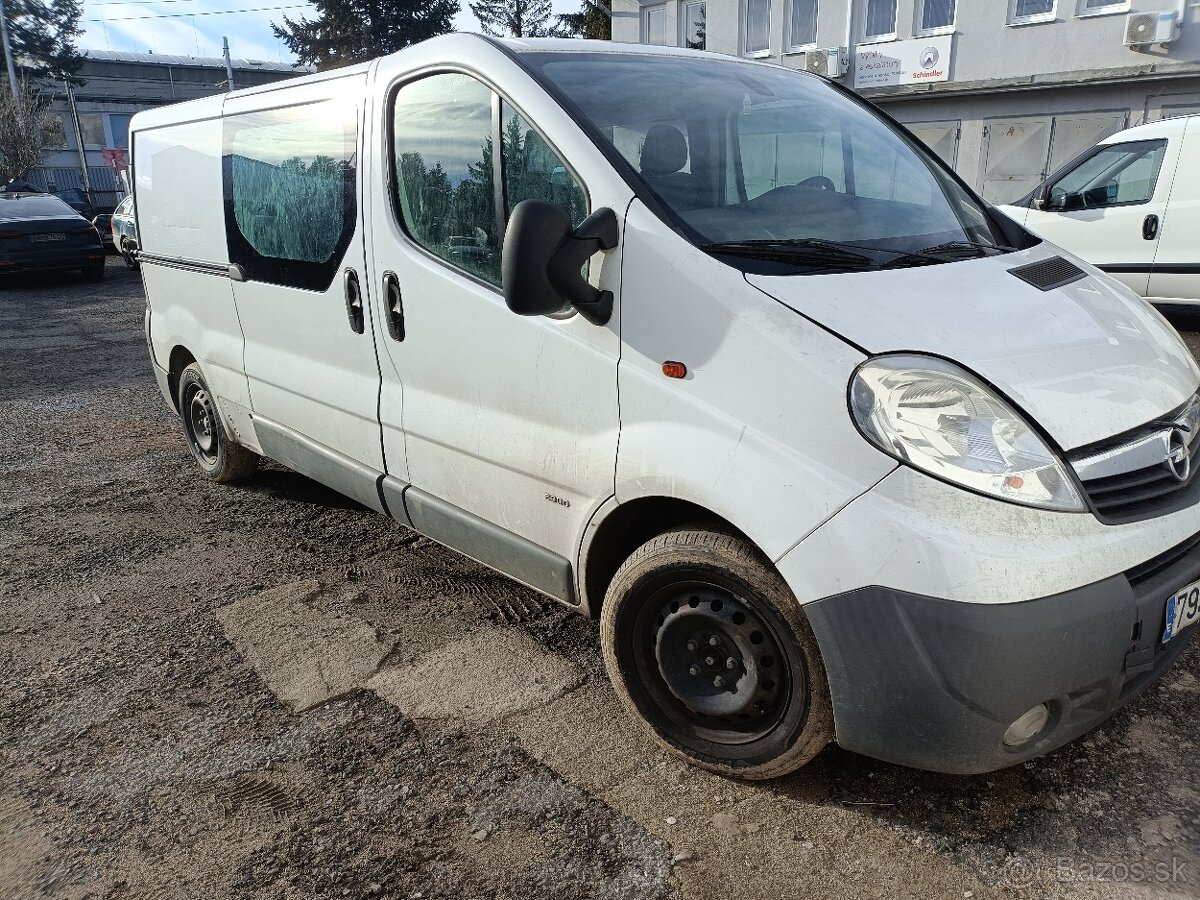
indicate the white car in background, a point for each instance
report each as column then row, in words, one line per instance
column 1129, row 206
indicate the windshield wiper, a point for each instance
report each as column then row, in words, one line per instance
column 812, row 251
column 935, row 253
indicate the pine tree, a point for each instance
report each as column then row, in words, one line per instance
column 515, row 18
column 593, row 21
column 43, row 33
column 350, row 31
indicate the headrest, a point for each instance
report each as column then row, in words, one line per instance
column 664, row 151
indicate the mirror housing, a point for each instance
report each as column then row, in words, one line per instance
column 543, row 258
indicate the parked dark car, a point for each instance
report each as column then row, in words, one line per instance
column 78, row 201
column 103, row 225
column 41, row 232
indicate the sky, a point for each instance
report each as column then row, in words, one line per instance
column 195, row 27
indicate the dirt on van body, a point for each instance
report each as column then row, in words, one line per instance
column 267, row 691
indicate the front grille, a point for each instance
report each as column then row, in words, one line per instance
column 1048, row 274
column 1131, row 479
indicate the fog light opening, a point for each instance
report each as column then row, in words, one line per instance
column 1028, row 726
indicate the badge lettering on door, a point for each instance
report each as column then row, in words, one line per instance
column 559, row 500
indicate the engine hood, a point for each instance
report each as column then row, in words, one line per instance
column 1086, row 361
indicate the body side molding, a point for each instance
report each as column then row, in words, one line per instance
column 489, row 544
column 320, row 463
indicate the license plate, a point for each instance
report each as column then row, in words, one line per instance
column 1182, row 610
column 44, row 238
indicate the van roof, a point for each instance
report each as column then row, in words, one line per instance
column 1163, row 128
column 210, row 107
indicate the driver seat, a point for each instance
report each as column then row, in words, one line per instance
column 664, row 153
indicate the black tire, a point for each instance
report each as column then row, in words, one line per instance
column 754, row 704
column 93, row 273
column 128, row 251
column 219, row 457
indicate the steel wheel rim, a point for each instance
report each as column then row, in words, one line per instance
column 202, row 425
column 755, row 691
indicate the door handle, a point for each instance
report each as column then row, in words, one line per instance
column 395, row 305
column 354, row 304
column 1150, row 227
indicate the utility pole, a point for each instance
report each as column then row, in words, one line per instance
column 228, row 67
column 83, row 168
column 8, row 57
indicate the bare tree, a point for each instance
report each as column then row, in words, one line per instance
column 27, row 131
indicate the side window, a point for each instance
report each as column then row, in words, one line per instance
column 1117, row 175
column 446, row 171
column 532, row 171
column 290, row 177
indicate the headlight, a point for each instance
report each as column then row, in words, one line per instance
column 933, row 415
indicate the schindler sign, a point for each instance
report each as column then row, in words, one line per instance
column 903, row 62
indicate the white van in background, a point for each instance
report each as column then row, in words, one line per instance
column 707, row 348
column 1131, row 207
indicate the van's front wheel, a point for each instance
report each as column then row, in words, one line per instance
column 705, row 644
column 219, row 457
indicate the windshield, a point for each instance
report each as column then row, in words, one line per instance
column 759, row 161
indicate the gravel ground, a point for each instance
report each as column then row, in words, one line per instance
column 268, row 691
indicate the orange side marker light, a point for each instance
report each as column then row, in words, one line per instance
column 674, row 369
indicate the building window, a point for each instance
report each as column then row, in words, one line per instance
column 654, row 24
column 290, row 192
column 879, row 20
column 756, row 18
column 1023, row 12
column 92, row 127
column 1102, row 7
column 695, row 29
column 118, row 126
column 802, row 24
column 58, row 137
column 936, row 15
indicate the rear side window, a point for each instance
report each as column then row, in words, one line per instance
column 453, row 193
column 290, row 183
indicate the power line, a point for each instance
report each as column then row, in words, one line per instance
column 188, row 15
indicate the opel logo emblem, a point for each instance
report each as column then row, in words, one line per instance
column 1179, row 456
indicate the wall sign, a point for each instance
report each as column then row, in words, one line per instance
column 903, row 62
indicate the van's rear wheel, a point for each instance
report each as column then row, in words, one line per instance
column 706, row 644
column 220, row 458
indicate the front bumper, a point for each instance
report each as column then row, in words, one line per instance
column 935, row 684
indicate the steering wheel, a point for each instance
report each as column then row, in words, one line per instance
column 818, row 181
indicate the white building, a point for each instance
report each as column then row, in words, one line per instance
column 1005, row 90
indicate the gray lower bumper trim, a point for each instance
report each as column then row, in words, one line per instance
column 935, row 684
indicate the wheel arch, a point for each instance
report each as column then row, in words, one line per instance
column 181, row 357
column 618, row 529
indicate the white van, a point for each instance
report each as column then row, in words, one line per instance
column 1130, row 206
column 707, row 348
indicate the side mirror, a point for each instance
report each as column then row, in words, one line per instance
column 1040, row 197
column 543, row 258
